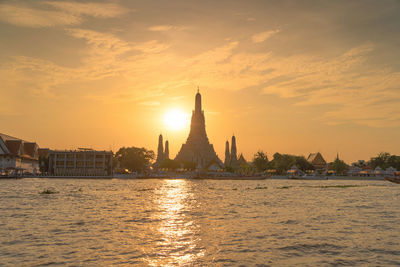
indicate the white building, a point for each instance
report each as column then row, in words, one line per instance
column 18, row 156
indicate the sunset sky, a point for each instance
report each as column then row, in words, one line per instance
column 283, row 76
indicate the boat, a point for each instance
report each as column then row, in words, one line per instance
column 395, row 180
column 124, row 174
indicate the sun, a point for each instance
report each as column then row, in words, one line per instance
column 175, row 119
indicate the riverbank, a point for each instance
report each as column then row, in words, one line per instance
column 233, row 178
column 352, row 178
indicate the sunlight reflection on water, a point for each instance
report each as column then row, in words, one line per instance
column 179, row 237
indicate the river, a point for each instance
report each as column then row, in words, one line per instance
column 198, row 222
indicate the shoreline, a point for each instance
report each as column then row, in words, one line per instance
column 224, row 178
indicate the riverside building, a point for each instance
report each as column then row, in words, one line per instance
column 80, row 162
column 318, row 162
column 17, row 156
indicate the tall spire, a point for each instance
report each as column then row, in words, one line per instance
column 160, row 150
column 166, row 152
column 227, row 154
column 197, row 148
column 233, row 162
column 197, row 108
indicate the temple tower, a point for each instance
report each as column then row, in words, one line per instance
column 166, row 152
column 227, row 154
column 234, row 160
column 160, row 151
column 197, row 148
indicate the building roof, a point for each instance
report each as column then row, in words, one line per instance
column 214, row 162
column 78, row 151
column 6, row 137
column 316, row 159
column 3, row 147
column 31, row 149
column 242, row 160
column 14, row 146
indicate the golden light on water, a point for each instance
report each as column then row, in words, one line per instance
column 176, row 119
column 179, row 242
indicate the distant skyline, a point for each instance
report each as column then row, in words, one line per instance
column 284, row 76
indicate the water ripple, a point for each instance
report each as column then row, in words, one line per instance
column 199, row 223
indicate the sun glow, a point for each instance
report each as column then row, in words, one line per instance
column 175, row 119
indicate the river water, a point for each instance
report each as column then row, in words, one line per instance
column 199, row 223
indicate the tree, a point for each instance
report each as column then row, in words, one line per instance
column 339, row 166
column 260, row 161
column 43, row 164
column 360, row 163
column 189, row 165
column 170, row 164
column 303, row 164
column 385, row 160
column 394, row 161
column 229, row 169
column 283, row 162
column 382, row 160
column 134, row 158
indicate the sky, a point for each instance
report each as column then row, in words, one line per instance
column 283, row 76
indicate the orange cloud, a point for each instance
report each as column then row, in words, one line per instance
column 61, row 13
column 262, row 36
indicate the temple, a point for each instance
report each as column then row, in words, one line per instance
column 162, row 154
column 197, row 148
column 231, row 159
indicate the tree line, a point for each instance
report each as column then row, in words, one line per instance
column 140, row 159
column 283, row 162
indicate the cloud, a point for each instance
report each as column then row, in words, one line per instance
column 49, row 14
column 100, row 10
column 262, row 36
column 354, row 90
column 153, row 46
column 160, row 28
column 35, row 18
column 101, row 43
column 166, row 28
column 358, row 92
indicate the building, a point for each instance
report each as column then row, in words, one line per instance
column 317, row 161
column 17, row 156
column 244, row 167
column 81, row 162
column 197, row 148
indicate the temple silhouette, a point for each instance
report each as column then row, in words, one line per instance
column 197, row 148
column 161, row 153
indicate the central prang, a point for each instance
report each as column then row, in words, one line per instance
column 197, row 148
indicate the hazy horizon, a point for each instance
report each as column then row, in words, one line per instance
column 283, row 76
